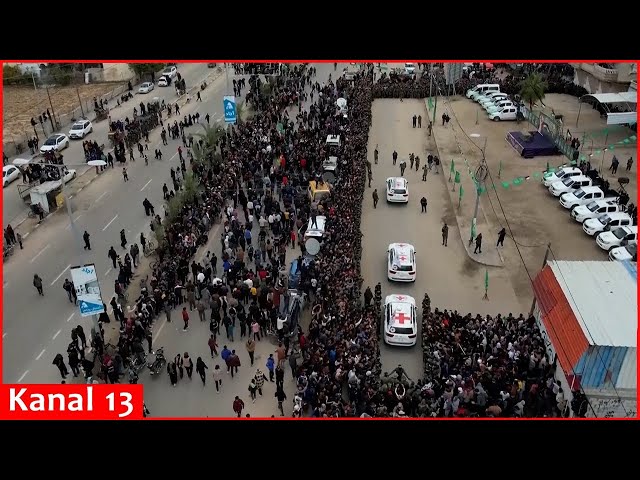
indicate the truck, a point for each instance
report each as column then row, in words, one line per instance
column 585, row 195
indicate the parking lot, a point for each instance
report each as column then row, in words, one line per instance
column 534, row 216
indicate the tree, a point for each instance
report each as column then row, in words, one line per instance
column 210, row 137
column 532, row 89
column 13, row 75
column 142, row 69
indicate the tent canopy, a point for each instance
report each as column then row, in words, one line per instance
column 625, row 114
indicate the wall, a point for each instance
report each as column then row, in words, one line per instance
column 611, row 404
column 117, row 72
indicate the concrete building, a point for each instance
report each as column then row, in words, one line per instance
column 605, row 77
column 588, row 315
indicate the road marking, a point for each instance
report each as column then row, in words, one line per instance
column 75, row 220
column 71, row 316
column 61, row 273
column 107, row 272
column 25, row 235
column 112, row 220
column 174, row 156
column 57, row 333
column 39, row 253
column 101, row 195
column 23, row 375
column 146, row 184
column 155, row 337
column 41, row 353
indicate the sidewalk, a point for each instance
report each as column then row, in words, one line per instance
column 446, row 139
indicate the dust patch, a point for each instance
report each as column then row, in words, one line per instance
column 469, row 267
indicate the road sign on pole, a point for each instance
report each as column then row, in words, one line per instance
column 85, row 281
column 229, row 104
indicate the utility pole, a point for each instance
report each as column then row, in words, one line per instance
column 53, row 113
column 435, row 105
column 79, row 101
column 544, row 263
column 33, row 78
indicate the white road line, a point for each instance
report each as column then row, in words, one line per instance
column 25, row 235
column 155, row 337
column 107, row 272
column 61, row 273
column 22, row 377
column 70, row 317
column 75, row 220
column 146, row 184
column 41, row 353
column 174, row 156
column 57, row 333
column 112, row 220
column 101, row 195
column 39, row 253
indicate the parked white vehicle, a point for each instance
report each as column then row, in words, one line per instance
column 57, row 142
column 584, row 196
column 569, row 184
column 80, row 129
column 621, row 236
column 628, row 253
column 550, row 178
column 491, row 97
column 10, row 173
column 492, row 108
column 146, row 87
column 606, row 222
column 481, row 89
column 594, row 209
column 507, row 113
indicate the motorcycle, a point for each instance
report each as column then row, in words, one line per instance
column 133, row 376
column 159, row 362
column 137, row 363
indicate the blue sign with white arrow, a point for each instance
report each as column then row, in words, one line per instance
column 85, row 281
column 229, row 105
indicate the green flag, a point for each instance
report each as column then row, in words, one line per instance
column 626, row 140
column 453, row 168
column 461, row 193
column 486, row 279
column 611, row 147
column 457, row 179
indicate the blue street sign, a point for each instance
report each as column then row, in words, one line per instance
column 87, row 308
column 229, row 105
column 85, row 281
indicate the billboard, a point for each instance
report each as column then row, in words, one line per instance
column 229, row 105
column 85, row 281
column 452, row 72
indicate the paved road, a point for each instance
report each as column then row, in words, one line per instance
column 451, row 279
column 36, row 328
column 13, row 207
column 49, row 319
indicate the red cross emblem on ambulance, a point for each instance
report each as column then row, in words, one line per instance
column 401, row 317
column 402, row 257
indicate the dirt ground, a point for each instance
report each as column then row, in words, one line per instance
column 22, row 103
column 533, row 214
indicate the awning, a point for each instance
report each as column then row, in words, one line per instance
column 622, row 97
column 620, row 115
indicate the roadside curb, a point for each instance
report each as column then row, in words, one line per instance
column 459, row 222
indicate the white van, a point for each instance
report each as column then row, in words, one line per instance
column 481, row 89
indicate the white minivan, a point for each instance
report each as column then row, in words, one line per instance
column 481, row 89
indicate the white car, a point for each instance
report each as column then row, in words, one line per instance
column 492, row 108
column 164, row 81
column 594, row 209
column 409, row 68
column 80, row 129
column 491, row 97
column 170, row 72
column 400, row 326
column 550, row 178
column 606, row 222
column 401, row 262
column 57, row 142
column 146, row 87
column 628, row 253
column 10, row 173
column 618, row 237
column 69, row 175
column 569, row 184
column 397, row 190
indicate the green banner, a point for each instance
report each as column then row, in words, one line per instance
column 453, row 167
column 461, row 193
column 486, row 279
column 457, row 179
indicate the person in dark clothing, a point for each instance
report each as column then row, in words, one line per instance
column 501, row 234
column 423, row 203
column 58, row 361
column 478, row 248
column 113, row 256
column 81, row 334
column 375, row 198
column 201, row 368
column 368, row 296
column 281, row 397
column 74, row 359
column 395, row 157
column 68, row 287
column 188, row 364
column 87, row 242
column 37, row 282
column 279, row 377
column 445, row 234
column 173, row 373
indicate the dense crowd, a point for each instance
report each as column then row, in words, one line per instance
column 486, row 366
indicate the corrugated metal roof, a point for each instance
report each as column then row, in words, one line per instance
column 599, row 367
column 628, row 376
column 559, row 321
column 603, row 298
